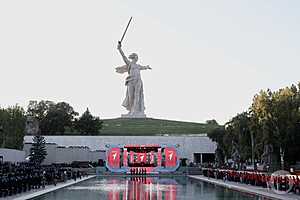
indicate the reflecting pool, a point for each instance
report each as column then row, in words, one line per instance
column 142, row 188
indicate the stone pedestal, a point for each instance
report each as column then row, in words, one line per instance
column 134, row 115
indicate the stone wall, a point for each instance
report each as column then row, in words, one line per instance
column 187, row 145
column 61, row 154
column 12, row 155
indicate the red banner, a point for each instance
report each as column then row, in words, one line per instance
column 114, row 157
column 170, row 157
column 142, row 157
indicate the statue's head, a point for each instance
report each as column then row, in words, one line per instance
column 134, row 57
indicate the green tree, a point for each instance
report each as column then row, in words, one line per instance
column 277, row 116
column 39, row 110
column 271, row 127
column 54, row 118
column 238, row 131
column 277, row 122
column 38, row 150
column 285, row 113
column 217, row 135
column 88, row 124
column 262, row 118
column 12, row 121
column 59, row 117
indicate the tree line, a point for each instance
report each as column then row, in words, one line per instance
column 12, row 127
column 268, row 132
column 46, row 118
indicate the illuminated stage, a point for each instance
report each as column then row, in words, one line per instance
column 142, row 159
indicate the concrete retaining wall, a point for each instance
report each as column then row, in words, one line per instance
column 59, row 154
column 12, row 155
column 187, row 145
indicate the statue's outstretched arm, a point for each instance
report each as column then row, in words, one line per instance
column 145, row 67
column 123, row 55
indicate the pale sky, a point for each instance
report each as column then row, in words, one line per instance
column 209, row 58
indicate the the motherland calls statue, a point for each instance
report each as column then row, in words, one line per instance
column 134, row 100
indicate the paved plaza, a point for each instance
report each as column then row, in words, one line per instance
column 50, row 188
column 247, row 188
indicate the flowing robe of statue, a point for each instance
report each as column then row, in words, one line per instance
column 134, row 99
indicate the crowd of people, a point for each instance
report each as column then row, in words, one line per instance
column 23, row 177
column 283, row 183
column 138, row 171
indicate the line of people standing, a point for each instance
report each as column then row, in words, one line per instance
column 288, row 183
column 138, row 171
column 23, row 177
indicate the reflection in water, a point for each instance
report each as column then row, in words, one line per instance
column 144, row 188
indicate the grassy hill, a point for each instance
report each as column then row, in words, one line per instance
column 149, row 126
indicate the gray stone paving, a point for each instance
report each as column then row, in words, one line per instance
column 38, row 192
column 248, row 188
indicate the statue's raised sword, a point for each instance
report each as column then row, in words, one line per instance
column 125, row 31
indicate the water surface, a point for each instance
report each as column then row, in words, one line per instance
column 150, row 188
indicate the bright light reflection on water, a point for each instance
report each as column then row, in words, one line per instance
column 150, row 188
